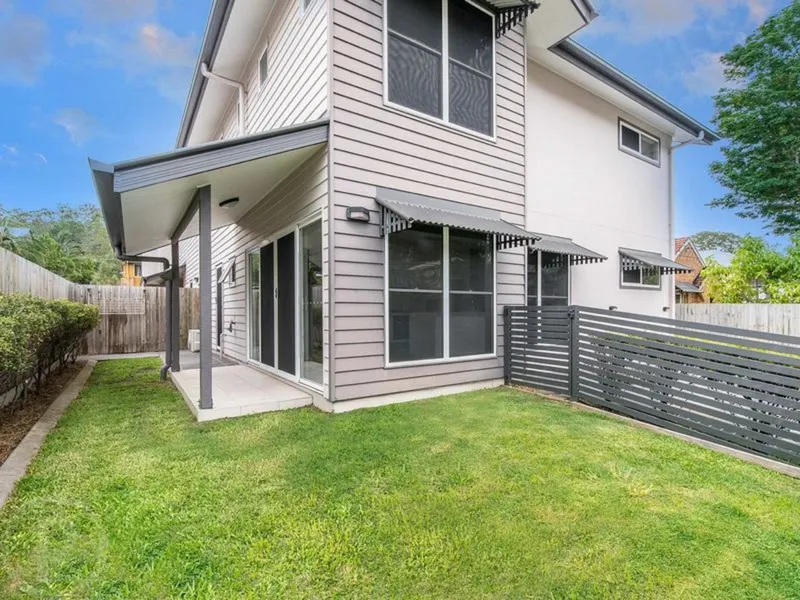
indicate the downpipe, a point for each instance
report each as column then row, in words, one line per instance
column 165, row 263
column 208, row 74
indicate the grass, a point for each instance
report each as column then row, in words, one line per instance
column 488, row 494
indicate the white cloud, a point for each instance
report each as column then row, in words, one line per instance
column 151, row 53
column 41, row 157
column 638, row 20
column 23, row 48
column 707, row 74
column 79, row 125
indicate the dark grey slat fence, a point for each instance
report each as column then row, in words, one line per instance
column 732, row 386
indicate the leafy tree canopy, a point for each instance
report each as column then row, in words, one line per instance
column 717, row 240
column 757, row 274
column 70, row 241
column 759, row 113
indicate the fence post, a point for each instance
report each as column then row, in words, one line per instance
column 507, row 344
column 574, row 330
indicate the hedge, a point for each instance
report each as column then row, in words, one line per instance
column 37, row 334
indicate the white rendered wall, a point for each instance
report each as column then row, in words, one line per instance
column 580, row 185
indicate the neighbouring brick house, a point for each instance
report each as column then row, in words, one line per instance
column 689, row 286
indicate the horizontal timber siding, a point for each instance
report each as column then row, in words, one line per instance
column 296, row 89
column 378, row 146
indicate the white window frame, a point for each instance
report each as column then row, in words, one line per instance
column 638, row 286
column 445, row 120
column 303, row 6
column 539, row 277
column 264, row 54
column 445, row 309
column 641, row 133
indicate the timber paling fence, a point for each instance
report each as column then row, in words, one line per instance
column 735, row 387
column 132, row 319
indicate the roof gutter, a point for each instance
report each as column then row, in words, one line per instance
column 587, row 61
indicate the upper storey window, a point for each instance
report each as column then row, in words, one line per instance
column 638, row 143
column 440, row 61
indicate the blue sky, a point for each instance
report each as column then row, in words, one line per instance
column 108, row 78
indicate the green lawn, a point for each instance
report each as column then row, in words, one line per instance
column 491, row 494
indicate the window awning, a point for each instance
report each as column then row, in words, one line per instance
column 688, row 288
column 578, row 255
column 509, row 13
column 633, row 259
column 400, row 210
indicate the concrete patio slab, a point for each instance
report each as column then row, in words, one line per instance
column 17, row 463
column 238, row 390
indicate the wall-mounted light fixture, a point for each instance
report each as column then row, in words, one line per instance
column 229, row 203
column 613, row 307
column 358, row 213
column 665, row 309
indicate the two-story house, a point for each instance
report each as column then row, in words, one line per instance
column 361, row 186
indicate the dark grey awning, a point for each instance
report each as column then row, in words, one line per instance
column 143, row 200
column 402, row 209
column 688, row 288
column 563, row 245
column 509, row 13
column 633, row 259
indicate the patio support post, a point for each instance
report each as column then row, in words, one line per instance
column 175, row 311
column 168, row 331
column 204, row 208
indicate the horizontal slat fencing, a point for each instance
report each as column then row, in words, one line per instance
column 731, row 386
column 770, row 318
column 538, row 347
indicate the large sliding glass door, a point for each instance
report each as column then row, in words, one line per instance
column 284, row 292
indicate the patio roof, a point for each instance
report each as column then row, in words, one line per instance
column 144, row 200
column 688, row 288
column 563, row 245
column 402, row 209
column 633, row 259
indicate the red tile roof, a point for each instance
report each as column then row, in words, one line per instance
column 679, row 242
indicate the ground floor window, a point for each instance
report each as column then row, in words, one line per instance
column 641, row 276
column 548, row 278
column 441, row 294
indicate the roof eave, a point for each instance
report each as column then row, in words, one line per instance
column 217, row 19
column 586, row 60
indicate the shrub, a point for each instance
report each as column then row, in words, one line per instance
column 36, row 334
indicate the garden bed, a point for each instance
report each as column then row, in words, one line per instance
column 17, row 418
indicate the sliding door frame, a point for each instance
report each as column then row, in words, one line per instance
column 273, row 239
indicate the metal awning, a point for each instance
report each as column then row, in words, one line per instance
column 400, row 210
column 509, row 13
column 144, row 200
column 633, row 259
column 563, row 245
column 688, row 288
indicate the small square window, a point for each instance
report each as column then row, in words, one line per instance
column 640, row 144
column 263, row 67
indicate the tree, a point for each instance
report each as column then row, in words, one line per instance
column 759, row 113
column 757, row 274
column 717, row 240
column 70, row 241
